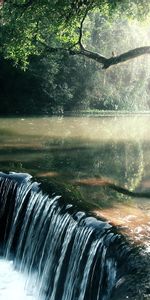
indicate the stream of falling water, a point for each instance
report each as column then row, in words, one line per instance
column 54, row 251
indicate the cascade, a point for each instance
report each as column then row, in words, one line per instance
column 71, row 254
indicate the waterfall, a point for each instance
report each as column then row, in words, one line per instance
column 73, row 255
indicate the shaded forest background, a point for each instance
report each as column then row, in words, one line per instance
column 59, row 83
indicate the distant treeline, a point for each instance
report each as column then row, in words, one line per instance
column 47, row 87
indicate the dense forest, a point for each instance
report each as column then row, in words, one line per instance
column 47, row 69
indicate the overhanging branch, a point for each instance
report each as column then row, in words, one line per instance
column 126, row 56
column 92, row 55
column 104, row 61
column 114, row 60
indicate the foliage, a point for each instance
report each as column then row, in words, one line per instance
column 27, row 25
column 36, row 34
column 49, row 86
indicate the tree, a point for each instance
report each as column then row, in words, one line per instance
column 40, row 27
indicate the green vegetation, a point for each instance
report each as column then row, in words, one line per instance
column 63, row 45
column 31, row 27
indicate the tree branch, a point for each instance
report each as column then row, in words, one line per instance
column 106, row 62
column 126, row 56
column 114, row 60
column 81, row 30
column 92, row 55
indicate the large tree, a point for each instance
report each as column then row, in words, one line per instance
column 40, row 27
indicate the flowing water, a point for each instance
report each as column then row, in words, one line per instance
column 65, row 253
column 62, row 252
column 72, row 149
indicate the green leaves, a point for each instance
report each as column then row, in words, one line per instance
column 27, row 23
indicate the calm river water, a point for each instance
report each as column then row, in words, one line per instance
column 87, row 152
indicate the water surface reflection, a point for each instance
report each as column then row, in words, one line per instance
column 114, row 149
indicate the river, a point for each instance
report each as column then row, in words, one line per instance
column 87, row 152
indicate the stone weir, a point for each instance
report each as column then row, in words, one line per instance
column 72, row 254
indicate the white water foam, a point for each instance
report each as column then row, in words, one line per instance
column 13, row 284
